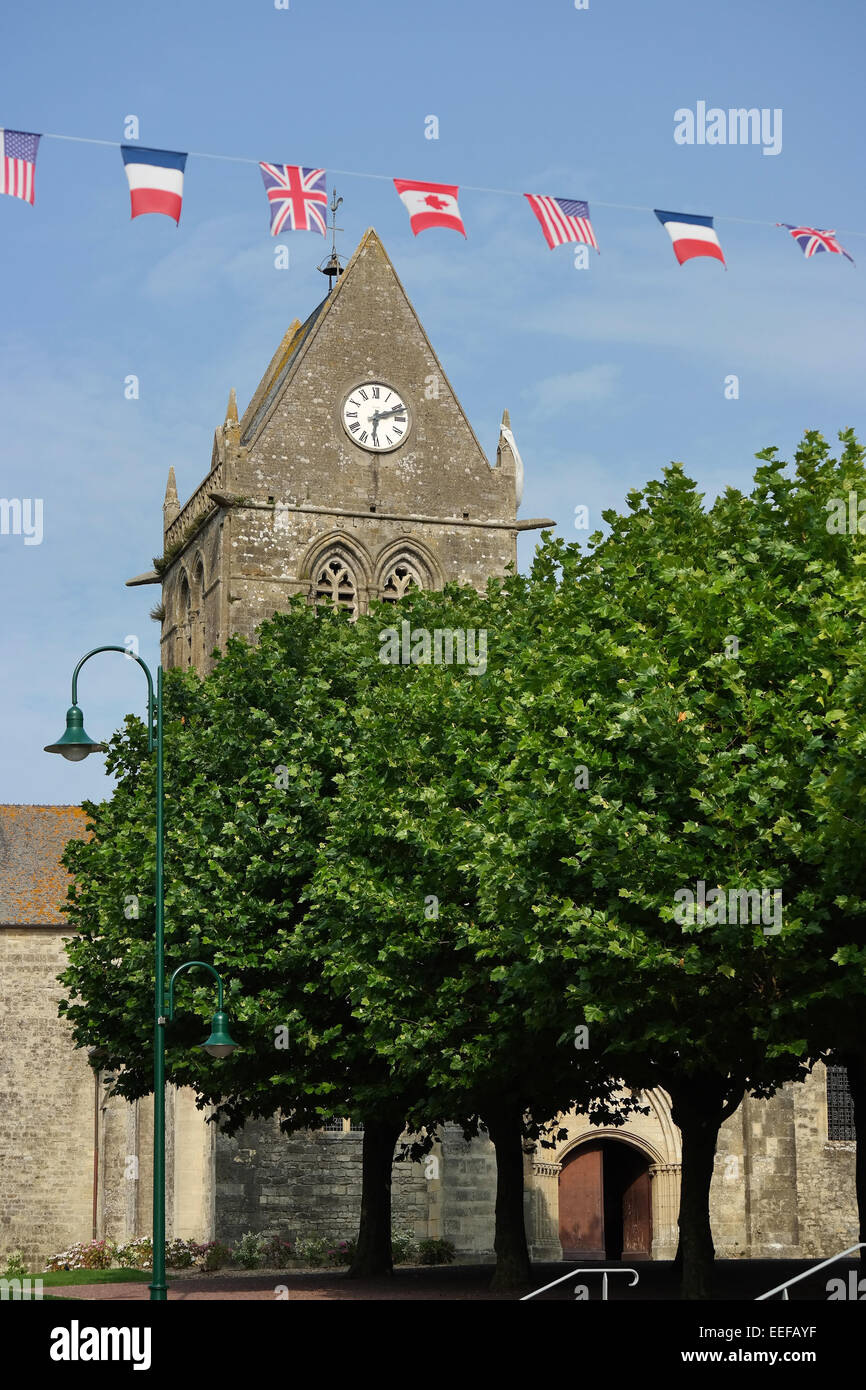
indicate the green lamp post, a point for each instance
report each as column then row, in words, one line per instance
column 220, row 1043
column 74, row 745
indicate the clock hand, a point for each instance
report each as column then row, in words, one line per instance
column 395, row 410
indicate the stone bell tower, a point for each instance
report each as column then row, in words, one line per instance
column 353, row 474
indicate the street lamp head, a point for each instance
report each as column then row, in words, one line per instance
column 220, row 1043
column 74, row 744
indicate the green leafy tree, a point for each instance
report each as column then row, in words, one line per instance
column 268, row 759
column 678, row 705
column 700, row 768
column 634, row 734
column 252, row 754
column 395, row 919
column 824, row 500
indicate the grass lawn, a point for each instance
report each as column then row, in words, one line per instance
column 94, row 1276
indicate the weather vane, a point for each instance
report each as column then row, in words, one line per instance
column 331, row 265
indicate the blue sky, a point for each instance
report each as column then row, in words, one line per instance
column 609, row 373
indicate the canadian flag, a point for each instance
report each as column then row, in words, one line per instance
column 430, row 204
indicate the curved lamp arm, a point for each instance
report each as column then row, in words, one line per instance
column 145, row 669
column 188, row 965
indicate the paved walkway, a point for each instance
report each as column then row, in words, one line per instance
column 734, row 1280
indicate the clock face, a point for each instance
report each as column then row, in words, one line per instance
column 375, row 416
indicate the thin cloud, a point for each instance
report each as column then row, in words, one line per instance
column 558, row 392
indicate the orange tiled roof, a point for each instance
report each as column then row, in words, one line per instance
column 33, row 882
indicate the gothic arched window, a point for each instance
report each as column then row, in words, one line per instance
column 183, row 650
column 399, row 580
column 198, row 642
column 335, row 584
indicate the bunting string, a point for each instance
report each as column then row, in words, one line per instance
column 298, row 199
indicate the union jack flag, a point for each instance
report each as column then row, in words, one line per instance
column 562, row 219
column 298, row 198
column 814, row 239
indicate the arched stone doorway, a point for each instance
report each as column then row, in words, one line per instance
column 605, row 1202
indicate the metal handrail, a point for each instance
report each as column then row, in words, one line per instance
column 572, row 1272
column 783, row 1288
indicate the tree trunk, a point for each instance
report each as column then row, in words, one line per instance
column 855, row 1065
column 505, row 1126
column 373, row 1253
column 698, row 1109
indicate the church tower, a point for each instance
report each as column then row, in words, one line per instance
column 353, row 474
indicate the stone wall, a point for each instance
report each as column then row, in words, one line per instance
column 305, row 1184
column 125, row 1185
column 781, row 1189
column 729, row 1192
column 194, row 597
column 826, row 1205
column 771, row 1176
column 46, row 1103
column 468, row 1192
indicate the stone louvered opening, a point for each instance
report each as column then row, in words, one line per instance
column 399, row 580
column 335, row 584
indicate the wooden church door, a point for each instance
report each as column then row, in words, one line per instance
column 605, row 1204
column 581, row 1204
column 637, row 1218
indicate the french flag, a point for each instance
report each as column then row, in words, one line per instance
column 691, row 235
column 155, row 180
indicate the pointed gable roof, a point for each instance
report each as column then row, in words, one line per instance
column 300, row 337
column 277, row 373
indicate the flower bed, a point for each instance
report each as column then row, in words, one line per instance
column 252, row 1251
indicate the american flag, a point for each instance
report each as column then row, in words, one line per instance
column 815, row 239
column 18, row 163
column 562, row 219
column 298, row 198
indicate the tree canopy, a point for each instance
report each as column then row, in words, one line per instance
column 637, row 815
